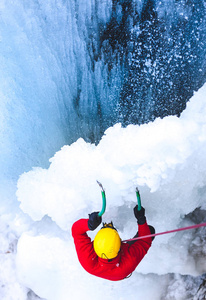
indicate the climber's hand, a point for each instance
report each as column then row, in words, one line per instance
column 140, row 215
column 94, row 220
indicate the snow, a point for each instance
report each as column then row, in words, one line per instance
column 165, row 159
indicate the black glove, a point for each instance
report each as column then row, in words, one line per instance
column 94, row 220
column 140, row 215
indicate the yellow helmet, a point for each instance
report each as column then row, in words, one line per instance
column 107, row 242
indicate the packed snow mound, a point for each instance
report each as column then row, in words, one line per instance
column 165, row 159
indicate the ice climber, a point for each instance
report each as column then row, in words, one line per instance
column 107, row 257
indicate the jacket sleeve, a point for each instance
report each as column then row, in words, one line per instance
column 143, row 244
column 133, row 254
column 84, row 247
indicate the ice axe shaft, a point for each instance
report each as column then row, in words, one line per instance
column 103, row 200
column 138, row 199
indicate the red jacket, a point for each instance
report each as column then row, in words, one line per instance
column 119, row 267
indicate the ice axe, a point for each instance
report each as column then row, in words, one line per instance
column 103, row 200
column 138, row 199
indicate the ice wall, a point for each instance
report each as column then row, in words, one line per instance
column 72, row 69
column 161, row 46
column 45, row 66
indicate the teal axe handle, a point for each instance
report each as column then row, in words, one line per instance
column 138, row 199
column 103, row 200
column 103, row 204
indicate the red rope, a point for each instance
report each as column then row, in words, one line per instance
column 165, row 232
